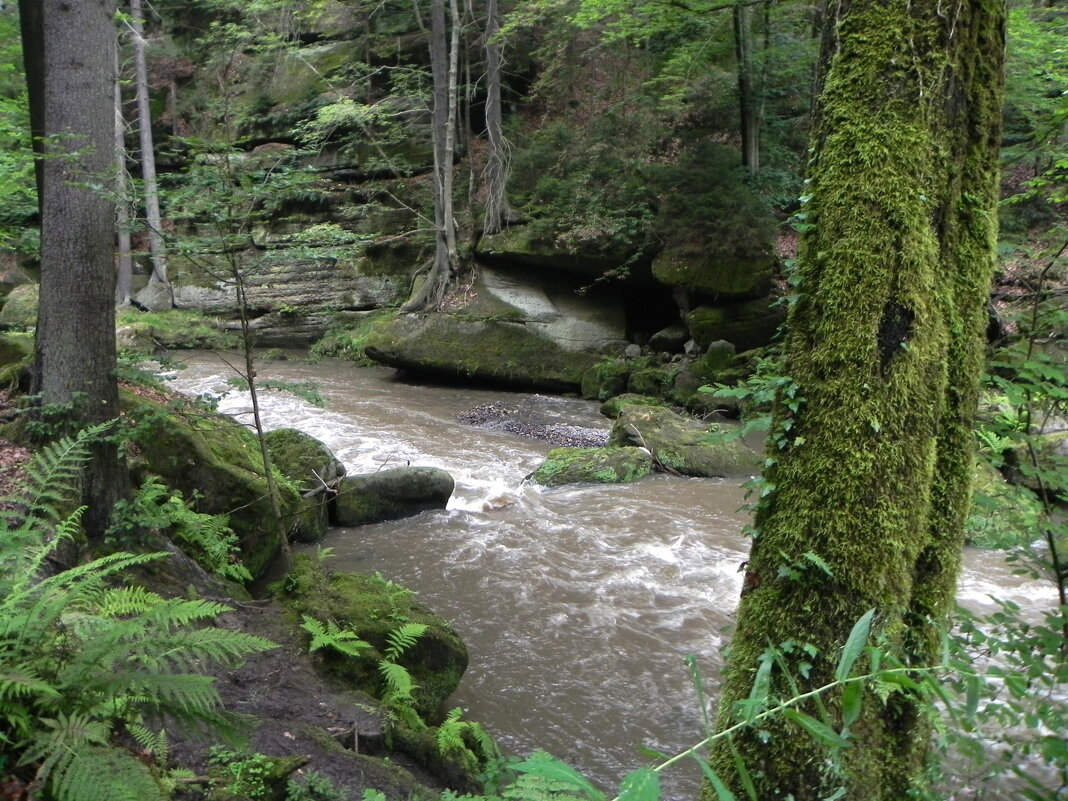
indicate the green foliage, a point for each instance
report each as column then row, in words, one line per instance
column 207, row 538
column 84, row 660
column 314, row 786
column 330, row 635
column 18, row 193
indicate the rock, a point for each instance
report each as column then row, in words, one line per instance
column 605, row 379
column 213, row 458
column 691, row 348
column 593, row 465
column 633, row 351
column 745, row 325
column 313, row 468
column 155, row 297
column 612, row 407
column 683, row 445
column 374, row 607
column 671, row 339
column 391, row 494
column 11, row 272
column 491, row 351
column 690, row 265
column 654, row 381
column 20, row 308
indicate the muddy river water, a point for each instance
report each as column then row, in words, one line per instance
column 579, row 605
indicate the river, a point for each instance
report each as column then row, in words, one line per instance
column 579, row 605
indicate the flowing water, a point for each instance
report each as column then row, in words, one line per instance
column 579, row 605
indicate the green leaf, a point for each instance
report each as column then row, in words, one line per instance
column 722, row 793
column 758, row 696
column 854, row 646
column 640, row 785
column 852, row 697
column 820, row 731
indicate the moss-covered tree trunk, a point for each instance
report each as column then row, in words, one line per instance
column 870, row 460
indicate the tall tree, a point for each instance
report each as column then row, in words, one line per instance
column 153, row 218
column 75, row 357
column 444, row 67
column 498, row 211
column 871, row 448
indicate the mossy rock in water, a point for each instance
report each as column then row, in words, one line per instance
column 490, row 351
column 216, row 460
column 683, row 445
column 612, row 407
column 391, row 495
column 745, row 325
column 374, row 607
column 593, row 466
column 1002, row 515
column 605, row 379
column 312, row 467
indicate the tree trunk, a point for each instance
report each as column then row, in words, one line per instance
column 153, row 219
column 871, row 447
column 748, row 104
column 31, row 26
column 75, row 358
column 498, row 212
column 443, row 121
column 124, row 256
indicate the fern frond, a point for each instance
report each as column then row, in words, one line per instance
column 23, row 680
column 104, row 773
column 399, row 682
column 53, row 475
column 449, row 736
column 156, row 743
column 124, row 601
column 403, row 638
column 330, row 635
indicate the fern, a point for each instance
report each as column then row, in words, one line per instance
column 399, row 682
column 81, row 658
column 403, row 638
column 330, row 635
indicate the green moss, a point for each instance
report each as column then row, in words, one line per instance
column 348, row 341
column 745, row 325
column 656, row 382
column 605, row 379
column 177, row 329
column 20, row 308
column 592, row 465
column 496, row 352
column 1002, row 515
column 374, row 607
column 211, row 458
column 613, row 407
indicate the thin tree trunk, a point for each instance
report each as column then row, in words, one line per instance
column 871, row 449
column 498, row 211
column 748, row 104
column 148, row 156
column 31, row 25
column 124, row 256
column 433, row 288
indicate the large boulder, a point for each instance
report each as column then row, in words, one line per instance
column 593, row 465
column 375, row 607
column 216, row 460
column 745, row 325
column 681, row 444
column 314, row 469
column 20, row 308
column 688, row 263
column 391, row 495
column 491, row 351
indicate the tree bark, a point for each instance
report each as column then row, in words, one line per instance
column 75, row 357
column 153, row 219
column 748, row 104
column 871, row 449
column 443, row 65
column 124, row 256
column 31, row 26
column 498, row 211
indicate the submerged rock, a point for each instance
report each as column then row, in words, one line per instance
column 683, row 445
column 391, row 495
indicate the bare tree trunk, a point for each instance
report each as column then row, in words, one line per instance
column 75, row 358
column 498, row 212
column 748, row 104
column 124, row 256
column 443, row 65
column 31, row 24
column 148, row 156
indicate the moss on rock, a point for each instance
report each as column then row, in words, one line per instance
column 617, row 465
column 209, row 457
column 605, row 379
column 613, row 407
column 308, row 463
column 690, row 265
column 745, row 325
column 20, row 308
column 391, row 495
column 374, row 607
column 498, row 352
